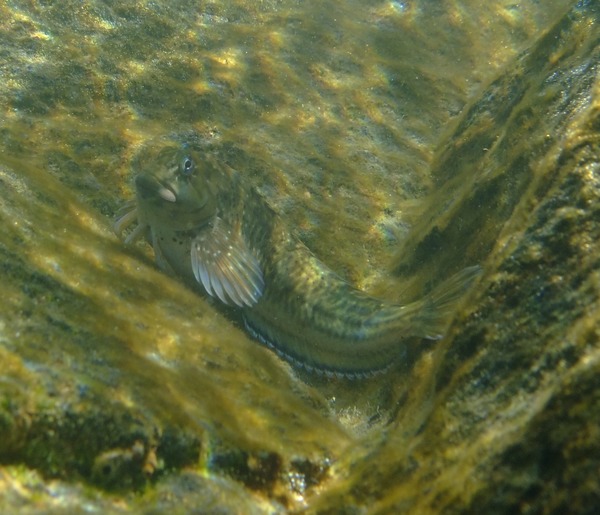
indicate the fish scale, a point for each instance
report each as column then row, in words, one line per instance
column 220, row 236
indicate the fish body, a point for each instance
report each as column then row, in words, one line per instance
column 213, row 230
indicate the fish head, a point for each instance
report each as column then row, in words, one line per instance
column 173, row 189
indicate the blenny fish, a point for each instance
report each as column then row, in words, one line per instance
column 217, row 233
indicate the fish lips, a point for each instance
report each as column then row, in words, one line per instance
column 149, row 187
column 159, row 204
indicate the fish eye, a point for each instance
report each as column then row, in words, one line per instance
column 187, row 166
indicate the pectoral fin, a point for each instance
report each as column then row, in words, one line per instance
column 226, row 267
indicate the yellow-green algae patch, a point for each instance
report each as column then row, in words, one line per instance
column 335, row 113
column 513, row 419
column 129, row 357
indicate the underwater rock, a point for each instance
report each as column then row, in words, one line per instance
column 513, row 413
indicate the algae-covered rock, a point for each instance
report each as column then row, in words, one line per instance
column 512, row 415
column 438, row 134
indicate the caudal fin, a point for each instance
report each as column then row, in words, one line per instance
column 432, row 319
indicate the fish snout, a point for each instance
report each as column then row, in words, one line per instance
column 149, row 187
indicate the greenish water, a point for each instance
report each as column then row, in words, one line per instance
column 368, row 126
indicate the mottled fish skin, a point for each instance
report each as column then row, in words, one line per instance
column 210, row 228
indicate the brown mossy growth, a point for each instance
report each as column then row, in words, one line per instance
column 15, row 405
column 107, row 446
column 554, row 466
column 545, row 282
column 550, row 282
column 491, row 159
column 512, row 425
column 145, row 461
column 126, row 468
column 177, row 449
column 260, row 471
column 268, row 473
column 305, row 474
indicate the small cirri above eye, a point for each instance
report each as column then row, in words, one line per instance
column 187, row 166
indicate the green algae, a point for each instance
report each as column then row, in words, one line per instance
column 509, row 395
column 125, row 398
column 371, row 144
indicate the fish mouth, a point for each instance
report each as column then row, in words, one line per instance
column 158, row 198
column 148, row 187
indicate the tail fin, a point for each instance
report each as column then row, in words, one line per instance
column 432, row 319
